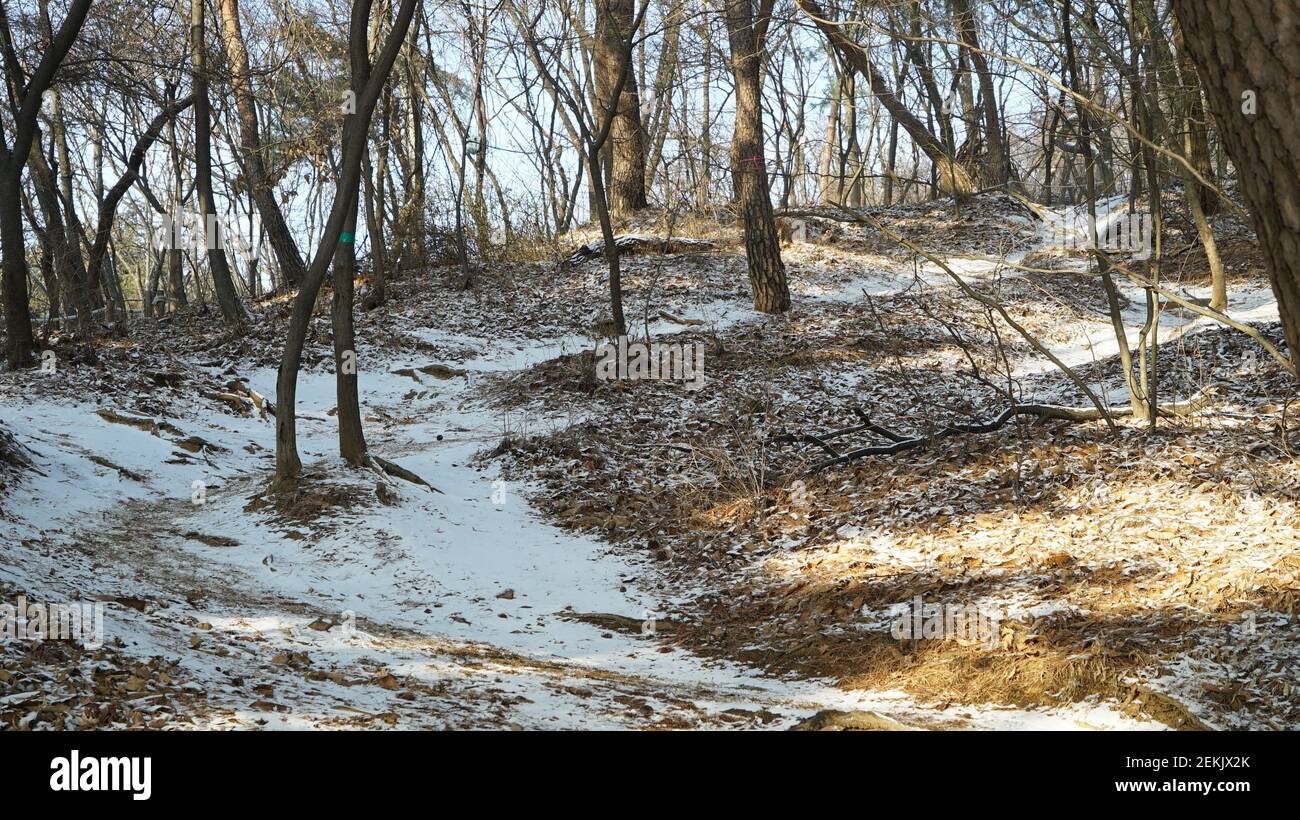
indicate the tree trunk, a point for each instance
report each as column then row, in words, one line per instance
column 250, row 144
column 996, row 167
column 288, row 465
column 1136, row 398
column 1248, row 68
column 1201, row 199
column 352, row 441
column 222, row 281
column 150, row 292
column 20, row 345
column 827, row 191
column 705, row 191
column 662, row 92
column 748, row 165
column 87, row 278
column 176, row 298
column 1196, row 139
column 20, row 349
column 626, row 149
column 67, row 257
column 48, row 275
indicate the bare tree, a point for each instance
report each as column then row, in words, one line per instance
column 367, row 83
column 250, row 143
column 952, row 176
column 222, row 281
column 747, row 27
column 26, row 104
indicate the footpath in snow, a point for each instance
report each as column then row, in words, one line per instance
column 425, row 610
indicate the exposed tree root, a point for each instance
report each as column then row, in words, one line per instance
column 13, row 452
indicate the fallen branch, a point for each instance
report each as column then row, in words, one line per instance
column 899, row 444
column 398, row 471
column 995, row 305
column 822, row 440
column 668, row 317
column 629, row 245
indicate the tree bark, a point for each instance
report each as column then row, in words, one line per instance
column 222, row 281
column 1246, row 56
column 250, row 144
column 626, row 148
column 746, row 32
column 20, row 344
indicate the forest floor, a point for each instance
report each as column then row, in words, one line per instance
column 643, row 554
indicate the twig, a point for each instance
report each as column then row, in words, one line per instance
column 995, row 305
column 1041, row 411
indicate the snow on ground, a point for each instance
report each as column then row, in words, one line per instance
column 1254, row 304
column 445, row 589
column 436, row 579
column 449, row 609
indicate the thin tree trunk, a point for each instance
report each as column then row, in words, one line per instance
column 827, row 165
column 286, row 250
column 627, row 150
column 222, row 281
column 706, row 114
column 968, row 30
column 1136, row 399
column 748, row 164
column 288, row 465
column 1201, row 199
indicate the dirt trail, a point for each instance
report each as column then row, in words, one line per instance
column 355, row 614
column 296, row 676
column 401, row 608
